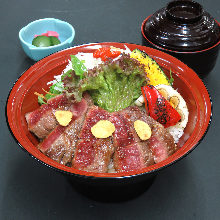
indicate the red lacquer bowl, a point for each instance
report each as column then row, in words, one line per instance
column 22, row 100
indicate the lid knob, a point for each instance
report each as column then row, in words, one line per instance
column 184, row 11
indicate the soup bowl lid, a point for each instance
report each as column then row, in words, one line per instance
column 182, row 25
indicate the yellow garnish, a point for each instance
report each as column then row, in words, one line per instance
column 164, row 93
column 103, row 129
column 63, row 117
column 143, row 129
column 174, row 101
column 153, row 70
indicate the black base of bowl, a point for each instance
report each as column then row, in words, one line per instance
column 111, row 190
column 202, row 62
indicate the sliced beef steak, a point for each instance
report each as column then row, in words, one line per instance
column 129, row 158
column 130, row 154
column 42, row 121
column 161, row 142
column 58, row 101
column 123, row 134
column 94, row 115
column 62, row 139
column 56, row 144
column 92, row 154
column 60, row 144
column 47, row 143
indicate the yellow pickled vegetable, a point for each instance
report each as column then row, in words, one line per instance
column 153, row 70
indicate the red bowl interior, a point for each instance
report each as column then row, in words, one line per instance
column 22, row 100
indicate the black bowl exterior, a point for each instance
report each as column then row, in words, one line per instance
column 202, row 62
column 112, row 189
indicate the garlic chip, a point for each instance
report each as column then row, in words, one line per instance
column 164, row 93
column 143, row 129
column 174, row 101
column 63, row 117
column 103, row 129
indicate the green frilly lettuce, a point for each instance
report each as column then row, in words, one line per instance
column 113, row 86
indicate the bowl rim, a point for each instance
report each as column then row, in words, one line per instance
column 174, row 51
column 56, row 166
column 32, row 47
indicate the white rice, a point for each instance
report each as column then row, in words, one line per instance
column 176, row 133
column 111, row 168
column 90, row 61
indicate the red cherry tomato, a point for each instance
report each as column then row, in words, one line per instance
column 105, row 52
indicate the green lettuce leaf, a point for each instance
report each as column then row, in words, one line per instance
column 78, row 66
column 113, row 86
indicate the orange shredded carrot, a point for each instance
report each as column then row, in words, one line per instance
column 40, row 95
column 47, row 92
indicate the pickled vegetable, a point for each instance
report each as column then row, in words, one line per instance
column 44, row 41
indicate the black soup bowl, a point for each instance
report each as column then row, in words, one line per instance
column 186, row 31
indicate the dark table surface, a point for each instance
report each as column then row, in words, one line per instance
column 190, row 189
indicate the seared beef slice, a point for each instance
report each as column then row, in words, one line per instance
column 161, row 142
column 123, row 134
column 94, row 115
column 42, row 120
column 60, row 144
column 130, row 154
column 129, row 158
column 92, row 154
